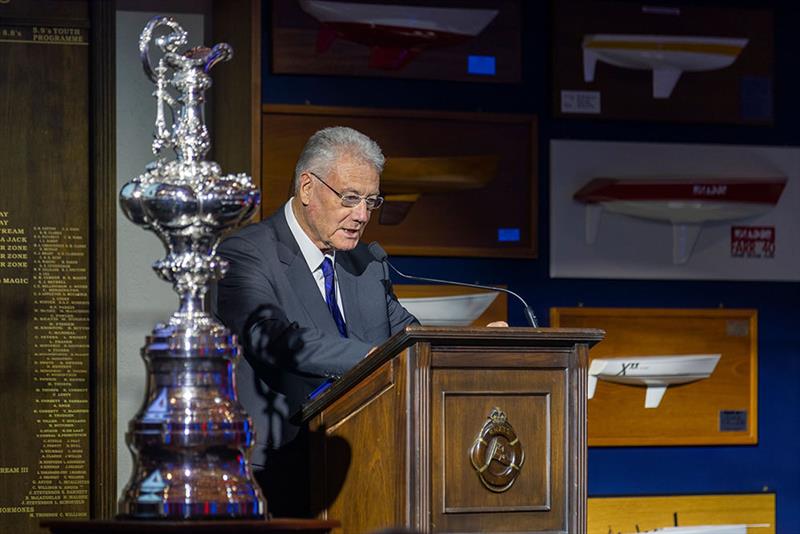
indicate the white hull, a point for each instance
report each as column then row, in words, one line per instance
column 685, row 203
column 686, row 217
column 457, row 310
column 705, row 529
column 668, row 56
column 461, row 21
column 654, row 372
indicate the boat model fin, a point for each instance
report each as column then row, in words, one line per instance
column 664, row 80
column 594, row 212
column 395, row 208
column 325, row 38
column 654, row 395
column 684, row 237
column 388, row 58
column 592, row 385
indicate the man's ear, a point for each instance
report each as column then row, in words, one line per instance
column 305, row 188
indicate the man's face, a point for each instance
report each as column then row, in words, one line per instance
column 329, row 224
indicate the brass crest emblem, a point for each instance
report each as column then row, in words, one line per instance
column 497, row 453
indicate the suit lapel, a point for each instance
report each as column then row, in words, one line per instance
column 300, row 278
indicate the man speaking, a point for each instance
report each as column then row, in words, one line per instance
column 306, row 298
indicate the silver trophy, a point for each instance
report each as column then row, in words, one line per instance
column 191, row 438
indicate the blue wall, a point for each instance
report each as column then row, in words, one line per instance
column 772, row 465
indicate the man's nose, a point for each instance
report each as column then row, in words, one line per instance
column 360, row 212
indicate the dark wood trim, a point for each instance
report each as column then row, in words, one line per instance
column 294, row 109
column 563, row 338
column 236, row 93
column 420, row 469
column 103, row 222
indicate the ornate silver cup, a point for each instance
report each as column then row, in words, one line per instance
column 191, row 439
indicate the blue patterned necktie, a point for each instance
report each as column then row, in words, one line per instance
column 330, row 296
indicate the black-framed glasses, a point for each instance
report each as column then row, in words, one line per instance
column 351, row 200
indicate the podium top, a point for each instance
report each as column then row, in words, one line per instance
column 499, row 338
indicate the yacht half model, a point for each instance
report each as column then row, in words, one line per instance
column 706, row 529
column 395, row 33
column 686, row 203
column 654, row 372
column 668, row 56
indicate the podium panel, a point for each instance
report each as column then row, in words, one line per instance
column 457, row 430
column 534, row 403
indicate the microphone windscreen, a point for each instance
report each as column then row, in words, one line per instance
column 377, row 251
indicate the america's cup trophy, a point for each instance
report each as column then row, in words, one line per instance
column 191, row 438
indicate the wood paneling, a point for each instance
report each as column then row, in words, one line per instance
column 535, row 403
column 236, row 93
column 689, row 414
column 442, row 221
column 634, row 514
column 364, row 436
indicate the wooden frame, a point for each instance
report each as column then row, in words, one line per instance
column 690, row 414
column 302, row 44
column 456, row 184
column 103, row 220
column 728, row 53
column 627, row 514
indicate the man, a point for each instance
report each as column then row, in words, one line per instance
column 306, row 298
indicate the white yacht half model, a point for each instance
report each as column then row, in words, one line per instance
column 668, row 56
column 454, row 310
column 705, row 529
column 654, row 372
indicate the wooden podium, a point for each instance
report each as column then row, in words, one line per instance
column 457, row 430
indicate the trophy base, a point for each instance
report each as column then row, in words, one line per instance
column 124, row 525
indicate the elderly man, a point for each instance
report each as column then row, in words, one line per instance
column 305, row 297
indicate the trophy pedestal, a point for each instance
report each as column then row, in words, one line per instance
column 274, row 526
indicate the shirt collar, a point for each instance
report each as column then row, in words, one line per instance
column 311, row 253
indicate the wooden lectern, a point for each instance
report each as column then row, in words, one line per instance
column 457, row 430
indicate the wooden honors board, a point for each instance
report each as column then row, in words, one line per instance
column 56, row 250
column 720, row 409
column 44, row 274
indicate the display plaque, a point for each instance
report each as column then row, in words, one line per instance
column 45, row 210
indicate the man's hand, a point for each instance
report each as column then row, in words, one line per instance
column 500, row 324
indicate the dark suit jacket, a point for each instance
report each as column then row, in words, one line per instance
column 269, row 298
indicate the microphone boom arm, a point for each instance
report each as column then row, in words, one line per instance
column 380, row 255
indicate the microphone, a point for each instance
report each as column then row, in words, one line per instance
column 379, row 254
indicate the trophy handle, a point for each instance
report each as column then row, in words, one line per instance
column 167, row 43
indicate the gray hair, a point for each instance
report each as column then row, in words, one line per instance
column 324, row 147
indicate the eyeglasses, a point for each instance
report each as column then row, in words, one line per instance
column 351, row 200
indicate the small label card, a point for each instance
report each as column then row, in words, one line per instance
column 733, row 420
column 580, row 102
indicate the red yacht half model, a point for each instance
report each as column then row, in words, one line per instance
column 686, row 203
column 395, row 33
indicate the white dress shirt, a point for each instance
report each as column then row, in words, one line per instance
column 313, row 255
